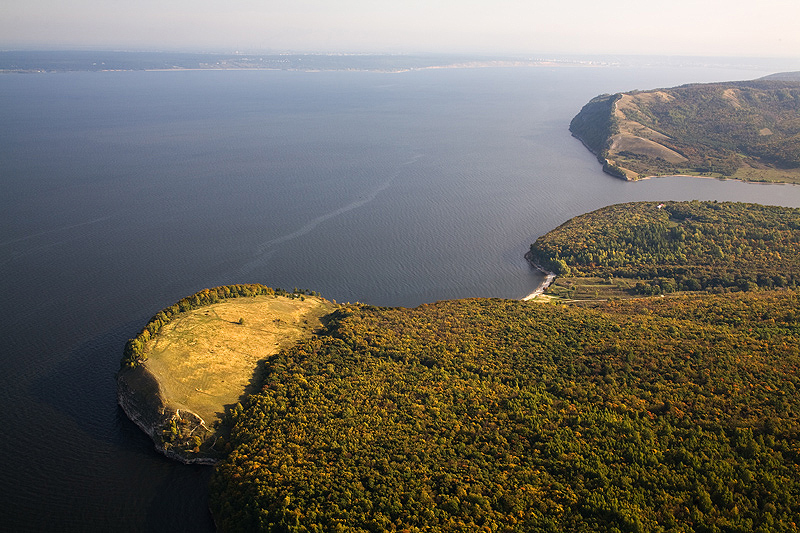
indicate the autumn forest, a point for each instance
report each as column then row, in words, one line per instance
column 670, row 413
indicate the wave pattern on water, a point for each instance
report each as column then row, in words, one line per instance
column 126, row 191
column 265, row 250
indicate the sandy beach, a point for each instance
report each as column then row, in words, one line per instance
column 549, row 277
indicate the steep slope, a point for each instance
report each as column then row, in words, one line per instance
column 194, row 361
column 746, row 130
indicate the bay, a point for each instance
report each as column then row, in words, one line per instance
column 125, row 191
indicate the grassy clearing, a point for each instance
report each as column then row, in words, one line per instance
column 590, row 288
column 205, row 361
column 643, row 146
column 769, row 175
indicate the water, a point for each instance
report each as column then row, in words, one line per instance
column 125, row 191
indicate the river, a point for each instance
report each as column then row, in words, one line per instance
column 125, row 191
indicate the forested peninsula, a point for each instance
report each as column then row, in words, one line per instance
column 748, row 130
column 624, row 413
column 651, row 249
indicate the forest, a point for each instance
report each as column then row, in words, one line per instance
column 644, row 414
column 713, row 129
column 679, row 246
column 676, row 414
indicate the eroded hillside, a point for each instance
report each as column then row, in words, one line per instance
column 743, row 130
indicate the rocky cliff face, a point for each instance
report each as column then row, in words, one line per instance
column 178, row 434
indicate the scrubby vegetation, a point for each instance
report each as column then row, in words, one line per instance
column 496, row 415
column 736, row 129
column 679, row 246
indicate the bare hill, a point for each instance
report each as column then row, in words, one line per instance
column 746, row 130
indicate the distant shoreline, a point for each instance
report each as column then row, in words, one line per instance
column 397, row 70
column 22, row 62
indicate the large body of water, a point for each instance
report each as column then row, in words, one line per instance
column 124, row 191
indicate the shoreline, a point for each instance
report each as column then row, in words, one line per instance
column 740, row 180
column 548, row 280
column 139, row 396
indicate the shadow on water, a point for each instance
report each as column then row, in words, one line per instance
column 87, row 378
column 158, row 494
column 132, row 487
column 180, row 501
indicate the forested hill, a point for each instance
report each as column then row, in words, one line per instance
column 675, row 414
column 679, row 246
column 746, row 130
column 657, row 414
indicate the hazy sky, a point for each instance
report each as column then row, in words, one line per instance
column 671, row 27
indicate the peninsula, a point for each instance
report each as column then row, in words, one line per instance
column 628, row 413
column 650, row 248
column 748, row 130
column 188, row 370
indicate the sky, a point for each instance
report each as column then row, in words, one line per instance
column 764, row 28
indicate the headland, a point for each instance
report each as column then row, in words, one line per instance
column 197, row 368
column 735, row 130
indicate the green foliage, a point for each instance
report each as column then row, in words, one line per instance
column 680, row 246
column 664, row 415
column 652, row 414
column 712, row 122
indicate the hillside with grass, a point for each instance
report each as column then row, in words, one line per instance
column 747, row 130
column 195, row 361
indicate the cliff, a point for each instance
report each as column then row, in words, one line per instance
column 743, row 130
column 177, row 434
column 193, row 363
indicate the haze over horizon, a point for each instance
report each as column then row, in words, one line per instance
column 681, row 27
